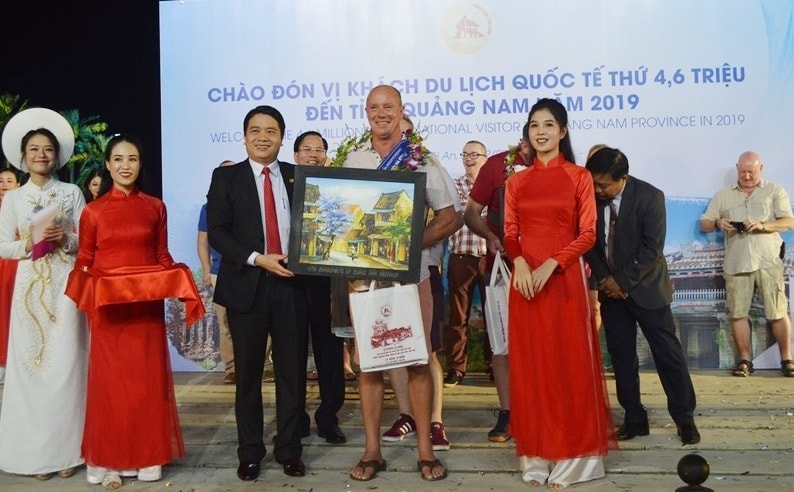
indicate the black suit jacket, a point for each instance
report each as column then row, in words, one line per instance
column 639, row 246
column 234, row 227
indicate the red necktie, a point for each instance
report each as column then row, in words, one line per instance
column 272, row 236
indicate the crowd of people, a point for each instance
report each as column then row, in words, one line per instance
column 84, row 274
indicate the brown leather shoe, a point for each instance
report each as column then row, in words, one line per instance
column 229, row 378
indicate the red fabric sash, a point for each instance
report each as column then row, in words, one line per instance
column 94, row 288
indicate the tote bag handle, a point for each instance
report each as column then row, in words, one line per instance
column 499, row 268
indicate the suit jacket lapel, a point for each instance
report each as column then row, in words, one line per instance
column 288, row 175
column 249, row 185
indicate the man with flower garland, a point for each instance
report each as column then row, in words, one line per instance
column 386, row 149
column 488, row 190
column 398, row 377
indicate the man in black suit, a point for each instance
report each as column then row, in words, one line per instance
column 634, row 287
column 310, row 150
column 248, row 218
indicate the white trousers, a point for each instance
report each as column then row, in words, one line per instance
column 563, row 472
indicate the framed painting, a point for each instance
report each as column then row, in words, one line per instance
column 357, row 223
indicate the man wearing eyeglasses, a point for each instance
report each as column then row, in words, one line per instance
column 466, row 269
column 310, row 150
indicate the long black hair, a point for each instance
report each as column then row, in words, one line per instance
column 560, row 115
column 96, row 173
column 107, row 182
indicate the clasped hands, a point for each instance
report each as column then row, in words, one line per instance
column 529, row 282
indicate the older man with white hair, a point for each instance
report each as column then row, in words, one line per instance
column 752, row 213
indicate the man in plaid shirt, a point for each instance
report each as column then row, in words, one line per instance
column 466, row 269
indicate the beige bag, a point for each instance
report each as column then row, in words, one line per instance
column 497, row 293
column 388, row 326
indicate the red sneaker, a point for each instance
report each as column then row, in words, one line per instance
column 403, row 426
column 438, row 437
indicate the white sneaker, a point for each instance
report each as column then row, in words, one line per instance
column 94, row 474
column 128, row 473
column 150, row 473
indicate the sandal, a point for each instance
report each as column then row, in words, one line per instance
column 375, row 465
column 111, row 480
column 66, row 472
column 43, row 476
column 743, row 369
column 430, row 465
column 350, row 376
column 787, row 368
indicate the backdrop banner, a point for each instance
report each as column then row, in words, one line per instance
column 681, row 87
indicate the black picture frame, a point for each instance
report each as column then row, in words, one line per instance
column 357, row 223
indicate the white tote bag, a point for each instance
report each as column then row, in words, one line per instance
column 497, row 292
column 388, row 326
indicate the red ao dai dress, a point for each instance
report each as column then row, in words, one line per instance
column 560, row 416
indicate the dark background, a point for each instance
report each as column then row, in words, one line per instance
column 100, row 57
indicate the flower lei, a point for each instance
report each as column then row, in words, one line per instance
column 510, row 160
column 417, row 156
column 418, row 152
column 345, row 146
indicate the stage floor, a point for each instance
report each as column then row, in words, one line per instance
column 747, row 428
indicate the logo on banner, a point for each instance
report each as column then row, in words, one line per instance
column 385, row 310
column 467, row 27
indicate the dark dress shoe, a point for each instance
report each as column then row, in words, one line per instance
column 689, row 433
column 294, row 467
column 630, row 431
column 248, row 471
column 332, row 435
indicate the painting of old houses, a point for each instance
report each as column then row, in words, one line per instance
column 392, row 226
column 357, row 227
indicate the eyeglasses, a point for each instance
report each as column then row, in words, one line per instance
column 472, row 155
column 311, row 149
